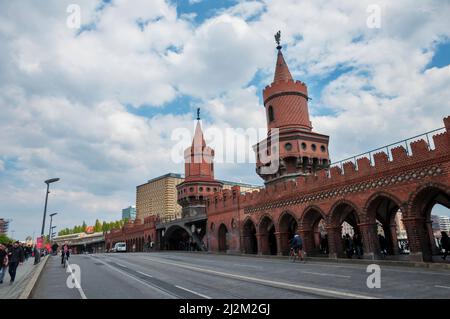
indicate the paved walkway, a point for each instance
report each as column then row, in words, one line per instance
column 24, row 274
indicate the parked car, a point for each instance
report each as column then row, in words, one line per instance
column 119, row 247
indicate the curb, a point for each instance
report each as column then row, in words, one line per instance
column 29, row 288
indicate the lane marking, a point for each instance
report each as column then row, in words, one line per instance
column 77, row 284
column 193, row 292
column 143, row 273
column 445, row 287
column 322, row 274
column 320, row 291
column 248, row 266
column 121, row 265
column 173, row 296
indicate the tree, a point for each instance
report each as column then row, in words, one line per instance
column 5, row 239
column 97, row 226
column 83, row 227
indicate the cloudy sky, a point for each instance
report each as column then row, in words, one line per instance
column 96, row 106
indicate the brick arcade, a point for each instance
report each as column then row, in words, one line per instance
column 305, row 195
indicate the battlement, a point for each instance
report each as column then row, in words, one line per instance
column 358, row 169
column 285, row 86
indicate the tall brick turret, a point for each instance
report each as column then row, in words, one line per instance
column 199, row 176
column 300, row 151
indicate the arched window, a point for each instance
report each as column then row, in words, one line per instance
column 271, row 116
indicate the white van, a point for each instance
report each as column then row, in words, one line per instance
column 120, row 247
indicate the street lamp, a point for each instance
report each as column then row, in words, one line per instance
column 50, row 229
column 48, row 182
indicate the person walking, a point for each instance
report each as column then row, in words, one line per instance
column 16, row 256
column 445, row 243
column 65, row 252
column 348, row 244
column 357, row 243
column 3, row 262
column 383, row 244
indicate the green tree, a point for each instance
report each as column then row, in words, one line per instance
column 5, row 239
column 97, row 226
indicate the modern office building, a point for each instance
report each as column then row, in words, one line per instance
column 129, row 213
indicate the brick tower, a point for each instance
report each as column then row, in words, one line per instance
column 300, row 151
column 199, row 176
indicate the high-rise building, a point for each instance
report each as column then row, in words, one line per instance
column 129, row 213
column 444, row 223
column 4, row 225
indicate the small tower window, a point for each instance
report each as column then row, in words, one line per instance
column 322, row 148
column 303, row 146
column 288, row 146
column 271, row 115
column 313, row 147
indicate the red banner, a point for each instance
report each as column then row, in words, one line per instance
column 39, row 242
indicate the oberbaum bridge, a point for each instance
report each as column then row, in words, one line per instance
column 306, row 194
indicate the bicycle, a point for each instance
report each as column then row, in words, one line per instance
column 293, row 254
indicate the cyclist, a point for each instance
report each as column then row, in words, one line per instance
column 297, row 246
column 65, row 252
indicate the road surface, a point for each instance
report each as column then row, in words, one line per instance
column 203, row 276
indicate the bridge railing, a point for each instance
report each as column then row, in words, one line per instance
column 427, row 136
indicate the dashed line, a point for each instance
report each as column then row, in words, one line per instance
column 143, row 273
column 445, row 287
column 193, row 292
column 322, row 274
column 314, row 290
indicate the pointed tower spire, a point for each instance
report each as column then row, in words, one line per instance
column 282, row 72
column 199, row 140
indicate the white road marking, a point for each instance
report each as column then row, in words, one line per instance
column 326, row 292
column 139, row 281
column 248, row 266
column 193, row 292
column 143, row 273
column 322, row 274
column 438, row 286
column 77, row 284
column 121, row 265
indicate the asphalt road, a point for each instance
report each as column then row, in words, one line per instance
column 199, row 276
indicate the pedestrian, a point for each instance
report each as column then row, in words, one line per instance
column 15, row 256
column 357, row 243
column 383, row 244
column 325, row 244
column 348, row 244
column 445, row 242
column 3, row 262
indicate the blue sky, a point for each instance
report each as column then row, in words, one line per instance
column 97, row 106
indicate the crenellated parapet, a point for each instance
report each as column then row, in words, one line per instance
column 382, row 170
column 282, row 87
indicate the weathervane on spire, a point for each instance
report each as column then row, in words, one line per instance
column 278, row 39
column 198, row 114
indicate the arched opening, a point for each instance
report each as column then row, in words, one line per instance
column 345, row 220
column 430, row 201
column 177, row 238
column 222, row 236
column 288, row 228
column 268, row 239
column 250, row 241
column 314, row 231
column 391, row 233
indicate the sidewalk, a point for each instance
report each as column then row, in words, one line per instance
column 24, row 274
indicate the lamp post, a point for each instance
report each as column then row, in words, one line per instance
column 50, row 228
column 48, row 182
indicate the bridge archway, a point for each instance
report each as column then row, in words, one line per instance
column 249, row 237
column 287, row 226
column 422, row 204
column 384, row 210
column 314, row 232
column 222, row 237
column 176, row 238
column 267, row 237
column 344, row 220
